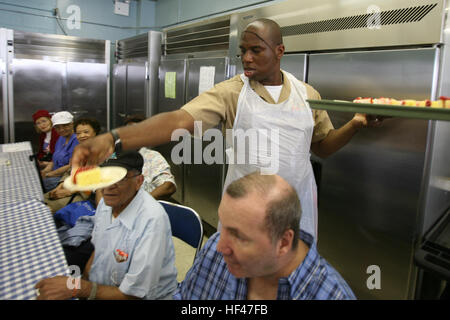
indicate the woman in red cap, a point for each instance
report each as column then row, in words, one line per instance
column 47, row 136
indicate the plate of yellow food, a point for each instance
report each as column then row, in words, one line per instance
column 92, row 178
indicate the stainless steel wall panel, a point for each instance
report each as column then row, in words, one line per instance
column 203, row 186
column 140, row 56
column 295, row 64
column 220, row 65
column 136, row 89
column 29, row 45
column 167, row 104
column 119, row 94
column 202, row 182
column 437, row 195
column 53, row 81
column 8, row 82
column 154, row 59
column 330, row 25
column 370, row 190
column 37, row 85
column 235, row 66
column 3, row 88
column 73, row 86
column 108, row 57
column 438, row 189
column 400, row 74
column 86, row 90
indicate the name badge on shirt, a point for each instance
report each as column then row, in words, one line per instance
column 120, row 255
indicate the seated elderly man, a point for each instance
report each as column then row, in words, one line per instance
column 260, row 253
column 158, row 179
column 134, row 254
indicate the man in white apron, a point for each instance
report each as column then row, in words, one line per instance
column 294, row 122
column 264, row 97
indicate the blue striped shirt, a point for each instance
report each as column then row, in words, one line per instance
column 314, row 278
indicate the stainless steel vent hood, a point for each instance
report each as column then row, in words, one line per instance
column 30, row 45
column 204, row 36
column 311, row 25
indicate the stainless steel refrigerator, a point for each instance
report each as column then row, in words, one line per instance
column 203, row 182
column 370, row 191
column 199, row 185
column 135, row 76
column 171, row 97
column 55, row 73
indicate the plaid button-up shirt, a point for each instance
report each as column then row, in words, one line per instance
column 315, row 278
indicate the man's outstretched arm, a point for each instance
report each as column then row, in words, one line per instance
column 152, row 132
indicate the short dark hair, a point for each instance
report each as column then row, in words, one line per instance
column 282, row 212
column 273, row 30
column 89, row 121
column 136, row 118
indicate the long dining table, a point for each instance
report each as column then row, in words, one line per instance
column 30, row 249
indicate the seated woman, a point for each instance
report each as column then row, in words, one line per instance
column 63, row 123
column 85, row 128
column 47, row 136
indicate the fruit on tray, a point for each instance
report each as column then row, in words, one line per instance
column 443, row 102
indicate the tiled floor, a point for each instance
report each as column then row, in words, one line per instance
column 184, row 257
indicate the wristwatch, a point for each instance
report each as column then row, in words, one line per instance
column 117, row 142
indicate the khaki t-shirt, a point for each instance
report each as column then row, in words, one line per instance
column 219, row 104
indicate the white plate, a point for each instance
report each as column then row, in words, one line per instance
column 109, row 176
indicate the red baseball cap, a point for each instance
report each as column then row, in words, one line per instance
column 41, row 113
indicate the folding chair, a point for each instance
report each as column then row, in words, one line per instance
column 186, row 224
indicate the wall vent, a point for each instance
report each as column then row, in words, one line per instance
column 136, row 47
column 389, row 17
column 58, row 47
column 205, row 37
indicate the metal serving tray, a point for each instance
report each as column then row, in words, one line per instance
column 426, row 113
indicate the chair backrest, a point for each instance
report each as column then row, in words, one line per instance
column 34, row 158
column 186, row 224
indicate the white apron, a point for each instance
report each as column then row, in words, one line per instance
column 293, row 118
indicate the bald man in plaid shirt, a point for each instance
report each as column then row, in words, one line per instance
column 260, row 253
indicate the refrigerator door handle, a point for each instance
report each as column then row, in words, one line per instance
column 147, row 75
column 79, row 112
